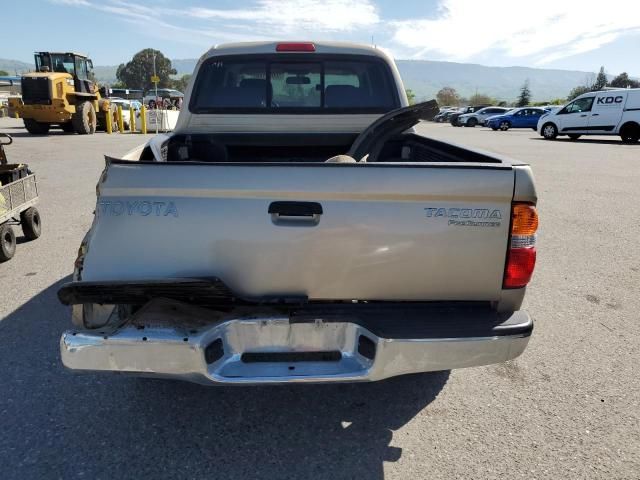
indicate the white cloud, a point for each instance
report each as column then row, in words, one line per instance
column 298, row 15
column 544, row 30
column 257, row 20
column 73, row 3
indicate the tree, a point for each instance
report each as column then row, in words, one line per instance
column 182, row 82
column 448, row 96
column 555, row 101
column 525, row 95
column 4, row 73
column 117, row 85
column 411, row 97
column 137, row 73
column 601, row 80
column 577, row 91
column 623, row 81
column 480, row 99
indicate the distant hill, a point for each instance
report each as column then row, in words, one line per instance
column 13, row 67
column 184, row 65
column 425, row 78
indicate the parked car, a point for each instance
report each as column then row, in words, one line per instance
column 525, row 117
column 444, row 114
column 126, row 105
column 447, row 116
column 453, row 118
column 607, row 112
column 330, row 244
column 479, row 117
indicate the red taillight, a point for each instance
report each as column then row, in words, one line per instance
column 521, row 257
column 296, row 47
column 520, row 264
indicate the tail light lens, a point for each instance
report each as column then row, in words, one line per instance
column 521, row 257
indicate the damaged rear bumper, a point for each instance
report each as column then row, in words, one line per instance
column 315, row 347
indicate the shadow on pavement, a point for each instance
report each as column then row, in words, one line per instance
column 63, row 425
column 51, row 133
column 588, row 140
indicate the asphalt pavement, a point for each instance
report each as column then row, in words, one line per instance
column 568, row 408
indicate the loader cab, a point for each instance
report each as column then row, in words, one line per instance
column 76, row 65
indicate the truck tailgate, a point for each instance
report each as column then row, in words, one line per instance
column 386, row 231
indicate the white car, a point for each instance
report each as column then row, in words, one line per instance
column 126, row 108
column 479, row 117
column 606, row 112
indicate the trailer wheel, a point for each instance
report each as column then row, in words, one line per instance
column 84, row 120
column 7, row 243
column 30, row 222
column 35, row 128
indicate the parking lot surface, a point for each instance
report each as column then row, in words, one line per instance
column 568, row 408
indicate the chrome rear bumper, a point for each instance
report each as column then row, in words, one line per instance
column 250, row 350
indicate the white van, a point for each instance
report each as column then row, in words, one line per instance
column 606, row 112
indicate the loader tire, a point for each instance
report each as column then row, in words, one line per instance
column 34, row 127
column 7, row 243
column 85, row 119
column 30, row 222
column 102, row 119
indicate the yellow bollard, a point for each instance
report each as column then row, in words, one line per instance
column 108, row 121
column 120, row 120
column 143, row 119
column 16, row 114
column 132, row 120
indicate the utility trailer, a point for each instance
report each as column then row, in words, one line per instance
column 18, row 197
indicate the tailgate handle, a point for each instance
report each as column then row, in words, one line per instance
column 295, row 213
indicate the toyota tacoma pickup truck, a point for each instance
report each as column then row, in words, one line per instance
column 295, row 227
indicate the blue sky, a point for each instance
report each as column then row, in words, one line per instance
column 564, row 34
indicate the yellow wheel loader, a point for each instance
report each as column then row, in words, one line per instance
column 61, row 92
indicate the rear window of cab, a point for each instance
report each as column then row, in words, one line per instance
column 294, row 83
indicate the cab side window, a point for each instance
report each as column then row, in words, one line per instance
column 81, row 69
column 580, row 105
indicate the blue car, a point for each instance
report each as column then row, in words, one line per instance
column 525, row 117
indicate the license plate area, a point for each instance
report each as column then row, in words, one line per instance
column 290, row 357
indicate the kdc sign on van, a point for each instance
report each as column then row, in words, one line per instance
column 609, row 100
